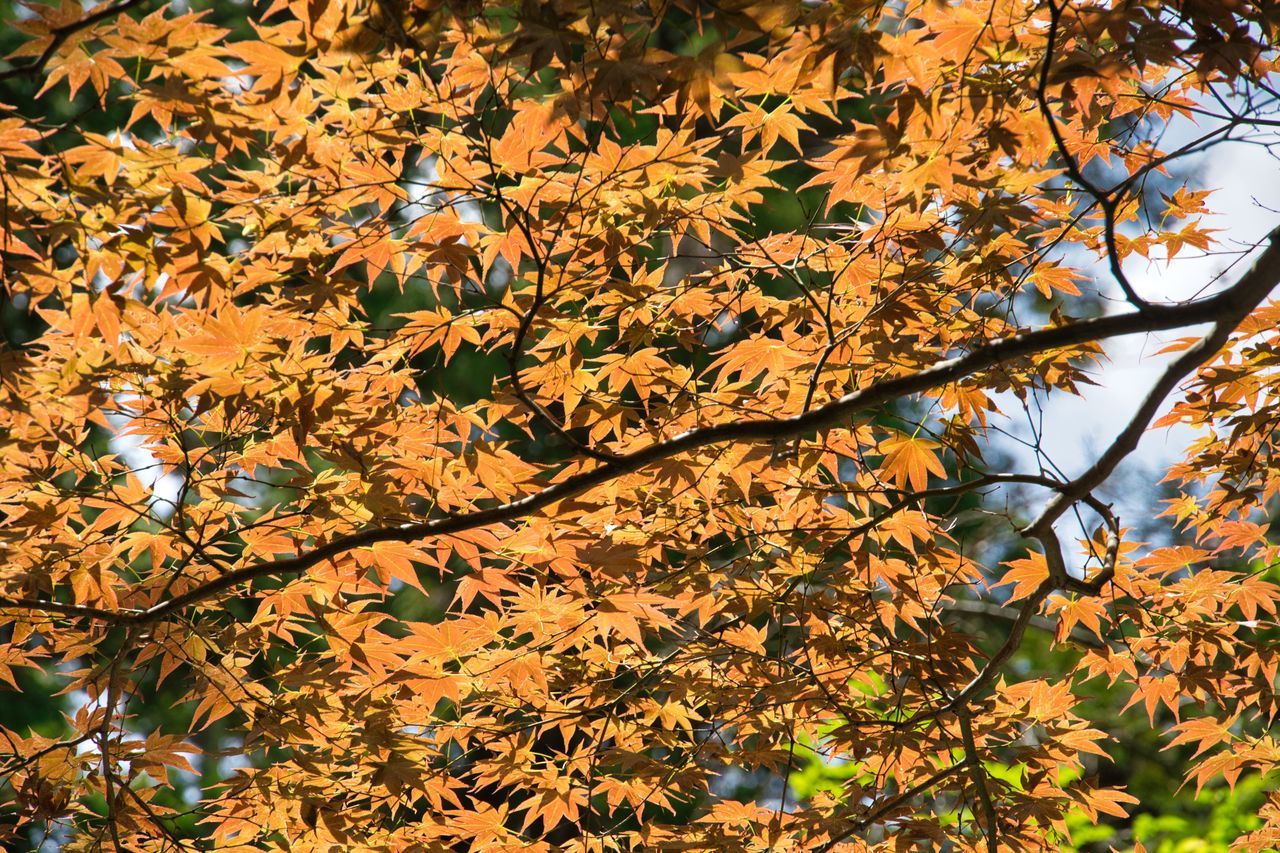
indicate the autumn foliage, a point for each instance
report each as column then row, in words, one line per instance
column 659, row 464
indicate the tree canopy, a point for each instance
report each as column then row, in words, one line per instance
column 504, row 425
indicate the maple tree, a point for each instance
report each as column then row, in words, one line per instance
column 701, row 320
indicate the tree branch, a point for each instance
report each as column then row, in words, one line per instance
column 59, row 36
column 1225, row 309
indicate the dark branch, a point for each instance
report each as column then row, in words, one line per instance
column 1225, row 309
column 59, row 35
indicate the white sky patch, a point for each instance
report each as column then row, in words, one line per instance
column 163, row 487
column 1075, row 430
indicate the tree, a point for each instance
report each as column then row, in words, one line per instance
column 664, row 460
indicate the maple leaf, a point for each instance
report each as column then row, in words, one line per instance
column 1205, row 732
column 1026, row 575
column 1104, row 800
column 910, row 460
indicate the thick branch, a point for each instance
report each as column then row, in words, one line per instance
column 978, row 774
column 1225, row 309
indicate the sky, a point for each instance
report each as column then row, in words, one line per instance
column 1075, row 430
